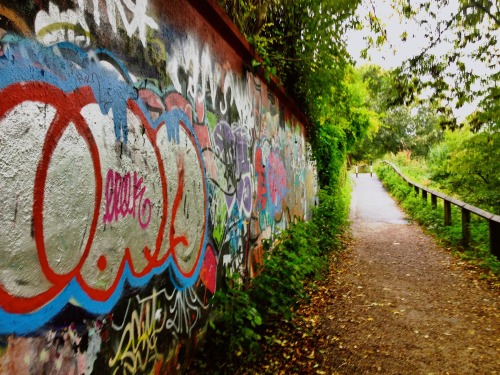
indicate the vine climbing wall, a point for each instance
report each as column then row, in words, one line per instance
column 140, row 161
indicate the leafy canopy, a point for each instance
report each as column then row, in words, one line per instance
column 460, row 63
column 413, row 128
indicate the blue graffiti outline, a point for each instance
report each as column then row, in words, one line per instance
column 16, row 65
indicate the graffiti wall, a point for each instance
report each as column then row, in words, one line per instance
column 140, row 161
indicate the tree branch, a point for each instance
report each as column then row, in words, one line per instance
column 480, row 6
column 482, row 178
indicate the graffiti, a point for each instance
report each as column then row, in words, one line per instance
column 184, row 311
column 271, row 184
column 139, row 23
column 260, row 171
column 15, row 19
column 56, row 26
column 235, row 240
column 255, row 260
column 70, row 25
column 143, row 325
column 71, row 350
column 138, row 344
column 276, row 180
column 231, row 149
column 130, row 185
column 209, row 271
column 211, row 83
column 68, row 258
column 298, row 170
column 123, row 195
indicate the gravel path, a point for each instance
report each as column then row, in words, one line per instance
column 402, row 304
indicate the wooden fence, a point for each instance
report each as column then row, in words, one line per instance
column 467, row 209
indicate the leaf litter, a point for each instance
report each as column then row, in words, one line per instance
column 419, row 311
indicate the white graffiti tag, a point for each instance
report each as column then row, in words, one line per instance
column 140, row 20
column 56, row 26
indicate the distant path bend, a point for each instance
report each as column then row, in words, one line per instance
column 402, row 304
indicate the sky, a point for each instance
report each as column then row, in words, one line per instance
column 385, row 56
column 395, row 51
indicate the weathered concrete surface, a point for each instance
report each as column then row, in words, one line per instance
column 140, row 160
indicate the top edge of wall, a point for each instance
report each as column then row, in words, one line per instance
column 220, row 21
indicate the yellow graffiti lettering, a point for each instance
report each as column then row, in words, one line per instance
column 137, row 346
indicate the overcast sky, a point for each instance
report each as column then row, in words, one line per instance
column 394, row 52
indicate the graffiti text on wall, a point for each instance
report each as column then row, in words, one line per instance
column 70, row 25
column 127, row 197
column 71, row 132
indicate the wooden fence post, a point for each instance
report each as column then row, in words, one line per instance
column 466, row 237
column 447, row 213
column 434, row 201
column 424, row 195
column 495, row 236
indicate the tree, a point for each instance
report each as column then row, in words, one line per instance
column 460, row 64
column 414, row 128
column 466, row 164
column 343, row 124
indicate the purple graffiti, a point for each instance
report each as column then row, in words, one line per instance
column 123, row 197
column 232, row 149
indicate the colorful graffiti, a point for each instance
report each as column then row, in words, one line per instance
column 128, row 194
column 156, row 249
column 142, row 327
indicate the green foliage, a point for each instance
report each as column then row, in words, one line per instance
column 467, row 164
column 243, row 312
column 235, row 321
column 295, row 259
column 414, row 128
column 249, row 16
column 330, row 218
column 433, row 219
column 329, row 148
column 344, row 120
column 402, row 129
column 459, row 64
column 464, row 165
column 414, row 168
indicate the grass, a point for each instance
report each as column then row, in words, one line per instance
column 420, row 210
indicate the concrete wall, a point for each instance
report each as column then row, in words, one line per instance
column 139, row 162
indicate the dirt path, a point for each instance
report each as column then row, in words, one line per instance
column 402, row 305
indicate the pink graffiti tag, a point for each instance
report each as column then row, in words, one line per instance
column 122, row 198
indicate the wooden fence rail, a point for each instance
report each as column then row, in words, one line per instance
column 467, row 209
